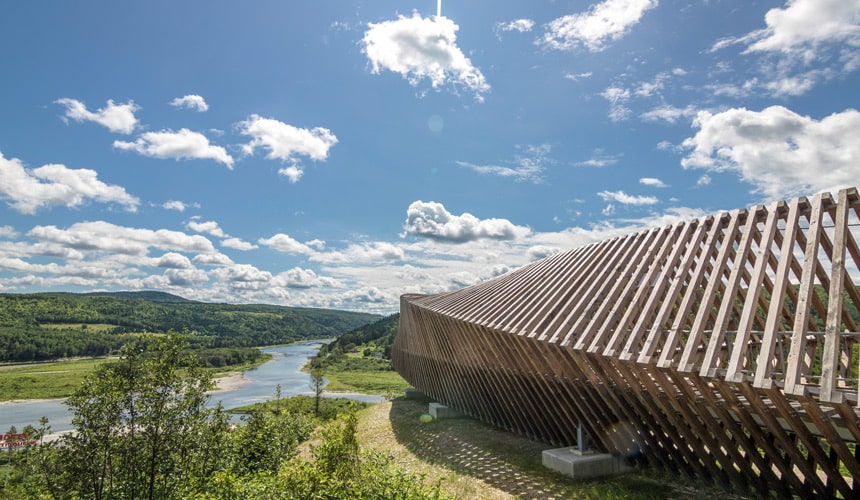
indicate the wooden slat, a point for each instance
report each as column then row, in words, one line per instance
column 634, row 339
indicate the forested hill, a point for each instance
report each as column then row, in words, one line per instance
column 378, row 335
column 53, row 325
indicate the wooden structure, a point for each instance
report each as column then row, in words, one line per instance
column 724, row 349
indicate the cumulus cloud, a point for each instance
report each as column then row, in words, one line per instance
column 304, row 278
column 626, row 199
column 184, row 144
column 27, row 190
column 431, row 220
column 804, row 25
column 653, row 182
column 379, row 251
column 177, row 205
column 781, row 153
column 209, row 227
column 213, row 259
column 191, row 101
column 238, row 244
column 116, row 117
column 173, row 260
column 526, row 167
column 100, row 236
column 605, row 22
column 286, row 142
column 422, row 48
column 285, row 243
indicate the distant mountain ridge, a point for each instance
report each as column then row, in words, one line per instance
column 52, row 325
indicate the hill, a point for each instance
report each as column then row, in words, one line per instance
column 54, row 325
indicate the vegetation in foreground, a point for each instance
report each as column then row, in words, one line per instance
column 142, row 431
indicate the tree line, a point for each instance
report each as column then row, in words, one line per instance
column 55, row 325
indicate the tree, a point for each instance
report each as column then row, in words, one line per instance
column 317, row 385
column 141, row 426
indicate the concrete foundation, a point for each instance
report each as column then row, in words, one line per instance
column 440, row 411
column 578, row 465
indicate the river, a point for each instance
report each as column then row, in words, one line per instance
column 259, row 385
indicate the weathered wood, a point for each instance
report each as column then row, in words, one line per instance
column 701, row 349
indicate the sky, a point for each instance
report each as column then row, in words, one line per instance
column 339, row 154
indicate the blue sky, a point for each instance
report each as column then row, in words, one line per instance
column 340, row 154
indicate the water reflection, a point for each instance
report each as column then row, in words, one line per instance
column 260, row 385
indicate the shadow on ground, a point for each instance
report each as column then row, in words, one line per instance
column 506, row 461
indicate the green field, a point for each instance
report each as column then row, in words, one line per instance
column 56, row 379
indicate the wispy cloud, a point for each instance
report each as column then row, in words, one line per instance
column 603, row 23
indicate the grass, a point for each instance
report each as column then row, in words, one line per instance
column 473, row 460
column 365, row 382
column 329, row 407
column 57, row 379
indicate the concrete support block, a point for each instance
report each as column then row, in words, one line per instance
column 571, row 462
column 440, row 411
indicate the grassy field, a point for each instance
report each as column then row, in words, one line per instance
column 56, row 379
column 365, row 382
column 59, row 379
column 473, row 460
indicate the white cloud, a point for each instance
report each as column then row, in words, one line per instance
column 191, row 101
column 605, row 22
column 578, row 76
column 304, row 278
column 238, row 244
column 177, row 205
column 50, row 185
column 184, row 144
column 100, row 236
column 293, row 173
column 116, row 117
column 653, row 182
column 213, row 259
column 209, row 227
column 803, row 25
column 704, row 180
column 380, row 251
column 669, row 113
column 528, row 167
column 285, row 243
column 626, row 199
column 431, row 220
column 173, row 260
column 782, row 154
column 286, row 142
column 599, row 159
column 422, row 48
column 617, row 98
column 8, row 232
column 519, row 25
